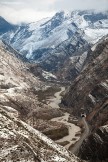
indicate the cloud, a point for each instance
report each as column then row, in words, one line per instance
column 17, row 11
column 34, row 4
column 81, row 4
column 11, row 3
column 23, row 15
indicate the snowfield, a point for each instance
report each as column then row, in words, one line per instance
column 93, row 35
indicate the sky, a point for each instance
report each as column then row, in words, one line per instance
column 20, row 11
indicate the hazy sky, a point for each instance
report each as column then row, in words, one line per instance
column 17, row 11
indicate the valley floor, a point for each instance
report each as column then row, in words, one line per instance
column 74, row 130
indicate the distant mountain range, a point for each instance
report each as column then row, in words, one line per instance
column 59, row 41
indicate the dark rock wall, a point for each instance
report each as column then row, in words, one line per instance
column 95, row 148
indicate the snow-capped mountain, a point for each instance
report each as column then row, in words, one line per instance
column 5, row 26
column 51, row 32
column 51, row 42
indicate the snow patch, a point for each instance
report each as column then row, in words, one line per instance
column 93, row 35
column 48, row 75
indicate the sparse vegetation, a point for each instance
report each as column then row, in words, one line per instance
column 44, row 95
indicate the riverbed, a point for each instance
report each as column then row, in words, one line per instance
column 56, row 100
column 74, row 130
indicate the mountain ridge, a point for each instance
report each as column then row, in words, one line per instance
column 54, row 42
column 88, row 94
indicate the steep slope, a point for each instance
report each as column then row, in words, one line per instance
column 19, row 89
column 20, row 142
column 16, row 83
column 92, row 80
column 89, row 94
column 5, row 26
column 55, row 42
column 95, row 148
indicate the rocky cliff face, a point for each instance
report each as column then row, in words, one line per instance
column 90, row 88
column 89, row 93
column 95, row 148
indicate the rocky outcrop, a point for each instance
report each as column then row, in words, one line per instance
column 20, row 142
column 95, row 148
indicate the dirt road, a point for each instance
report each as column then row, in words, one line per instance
column 75, row 149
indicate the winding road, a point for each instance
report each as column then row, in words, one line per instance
column 75, row 149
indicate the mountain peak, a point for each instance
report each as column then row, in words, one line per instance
column 65, row 33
